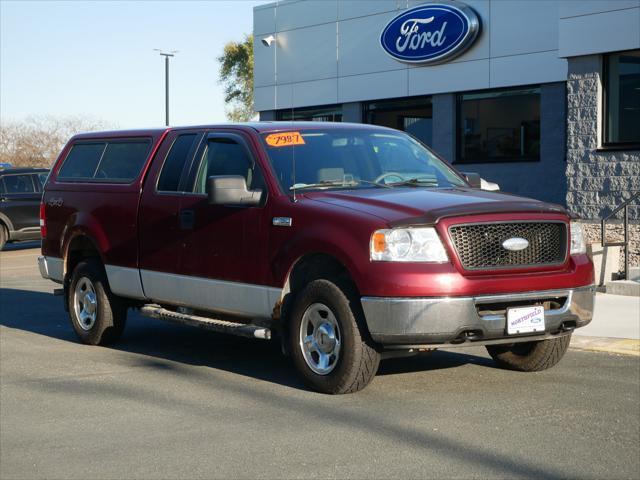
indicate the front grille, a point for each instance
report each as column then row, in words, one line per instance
column 479, row 246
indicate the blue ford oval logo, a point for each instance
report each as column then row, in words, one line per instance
column 430, row 33
column 515, row 244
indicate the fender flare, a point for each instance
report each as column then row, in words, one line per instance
column 7, row 222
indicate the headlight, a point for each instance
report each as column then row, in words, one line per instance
column 578, row 244
column 407, row 245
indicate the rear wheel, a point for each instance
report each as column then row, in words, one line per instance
column 97, row 316
column 328, row 339
column 530, row 356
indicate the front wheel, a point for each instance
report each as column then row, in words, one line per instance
column 97, row 316
column 530, row 356
column 328, row 340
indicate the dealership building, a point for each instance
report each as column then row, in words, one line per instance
column 541, row 97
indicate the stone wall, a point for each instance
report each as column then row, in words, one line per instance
column 598, row 180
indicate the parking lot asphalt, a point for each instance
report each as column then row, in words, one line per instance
column 176, row 402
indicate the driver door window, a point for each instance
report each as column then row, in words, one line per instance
column 224, row 156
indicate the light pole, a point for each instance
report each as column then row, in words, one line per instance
column 166, row 56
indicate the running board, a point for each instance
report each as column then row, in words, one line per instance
column 222, row 326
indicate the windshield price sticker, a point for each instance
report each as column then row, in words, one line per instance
column 284, row 139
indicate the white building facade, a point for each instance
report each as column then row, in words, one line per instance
column 544, row 101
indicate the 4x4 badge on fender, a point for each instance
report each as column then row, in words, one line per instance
column 515, row 244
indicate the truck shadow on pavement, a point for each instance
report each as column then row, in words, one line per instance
column 172, row 349
column 152, row 338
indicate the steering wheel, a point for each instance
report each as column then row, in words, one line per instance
column 379, row 178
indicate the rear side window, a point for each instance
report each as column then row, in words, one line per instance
column 111, row 161
column 122, row 161
column 18, row 184
column 82, row 161
column 169, row 180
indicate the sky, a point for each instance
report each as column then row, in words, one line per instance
column 95, row 59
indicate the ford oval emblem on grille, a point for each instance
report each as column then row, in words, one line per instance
column 515, row 244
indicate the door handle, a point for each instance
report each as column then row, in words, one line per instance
column 187, row 219
column 3, row 199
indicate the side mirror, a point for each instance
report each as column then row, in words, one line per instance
column 473, row 178
column 231, row 190
column 490, row 186
column 476, row 181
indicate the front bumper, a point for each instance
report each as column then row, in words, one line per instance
column 448, row 321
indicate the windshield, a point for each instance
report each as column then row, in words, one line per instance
column 358, row 158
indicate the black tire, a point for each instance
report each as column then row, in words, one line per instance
column 110, row 311
column 358, row 360
column 530, row 356
column 3, row 236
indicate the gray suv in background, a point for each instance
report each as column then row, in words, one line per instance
column 20, row 195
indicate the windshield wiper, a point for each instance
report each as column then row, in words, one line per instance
column 414, row 182
column 324, row 183
column 336, row 183
column 377, row 184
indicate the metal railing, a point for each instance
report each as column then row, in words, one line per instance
column 625, row 243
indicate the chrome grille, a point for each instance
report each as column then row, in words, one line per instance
column 479, row 246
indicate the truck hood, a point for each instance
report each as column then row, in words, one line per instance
column 403, row 206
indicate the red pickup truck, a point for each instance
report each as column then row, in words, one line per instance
column 345, row 241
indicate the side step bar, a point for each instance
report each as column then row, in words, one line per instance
column 222, row 326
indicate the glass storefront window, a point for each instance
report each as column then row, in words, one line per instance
column 411, row 115
column 622, row 98
column 332, row 113
column 499, row 126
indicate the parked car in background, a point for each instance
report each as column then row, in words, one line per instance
column 20, row 195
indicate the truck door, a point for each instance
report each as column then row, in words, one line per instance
column 224, row 255
column 160, row 235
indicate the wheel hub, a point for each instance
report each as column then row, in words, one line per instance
column 326, row 337
column 85, row 303
column 320, row 339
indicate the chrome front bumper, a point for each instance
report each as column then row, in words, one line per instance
column 475, row 320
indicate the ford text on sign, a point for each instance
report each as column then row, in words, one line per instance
column 430, row 33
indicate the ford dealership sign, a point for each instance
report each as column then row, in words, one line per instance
column 430, row 33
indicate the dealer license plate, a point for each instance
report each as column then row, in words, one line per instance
column 525, row 320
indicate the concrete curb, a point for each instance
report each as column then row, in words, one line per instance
column 621, row 346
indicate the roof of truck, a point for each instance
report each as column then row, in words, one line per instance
column 260, row 127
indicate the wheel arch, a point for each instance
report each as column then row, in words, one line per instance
column 78, row 248
column 6, row 223
column 306, row 268
column 311, row 266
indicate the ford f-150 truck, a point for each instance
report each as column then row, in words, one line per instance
column 347, row 242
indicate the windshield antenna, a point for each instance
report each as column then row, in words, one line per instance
column 293, row 151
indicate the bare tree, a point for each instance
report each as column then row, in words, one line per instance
column 37, row 141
